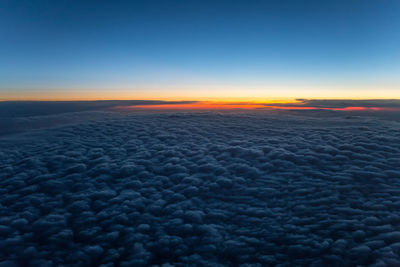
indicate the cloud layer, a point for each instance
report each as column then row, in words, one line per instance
column 12, row 109
column 341, row 105
column 202, row 189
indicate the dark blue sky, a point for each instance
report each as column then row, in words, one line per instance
column 189, row 49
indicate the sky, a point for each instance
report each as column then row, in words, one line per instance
column 199, row 50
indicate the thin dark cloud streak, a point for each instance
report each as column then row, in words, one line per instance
column 39, row 108
column 339, row 103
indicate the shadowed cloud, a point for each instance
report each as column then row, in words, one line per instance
column 333, row 104
column 35, row 108
column 202, row 189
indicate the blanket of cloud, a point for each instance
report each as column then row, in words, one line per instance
column 202, row 189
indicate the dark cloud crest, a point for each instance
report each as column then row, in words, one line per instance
column 344, row 103
column 22, row 116
column 202, row 189
column 40, row 108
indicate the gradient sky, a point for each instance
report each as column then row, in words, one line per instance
column 199, row 49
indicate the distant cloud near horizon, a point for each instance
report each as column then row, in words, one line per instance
column 338, row 103
column 36, row 108
column 341, row 105
column 10, row 109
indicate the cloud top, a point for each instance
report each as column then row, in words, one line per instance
column 209, row 189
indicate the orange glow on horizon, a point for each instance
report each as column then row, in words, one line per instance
column 197, row 106
column 207, row 105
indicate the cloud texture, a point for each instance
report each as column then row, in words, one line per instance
column 202, row 189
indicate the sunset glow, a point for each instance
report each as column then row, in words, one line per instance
column 208, row 105
column 199, row 51
column 199, row 133
column 197, row 106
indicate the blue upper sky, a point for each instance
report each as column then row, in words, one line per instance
column 189, row 49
